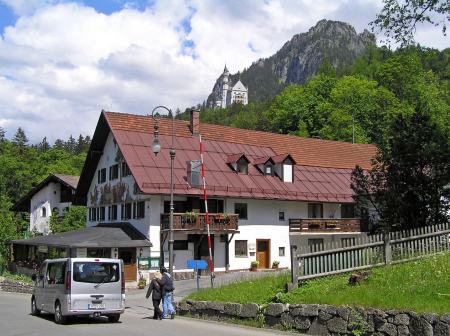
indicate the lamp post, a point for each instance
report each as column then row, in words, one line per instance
column 156, row 148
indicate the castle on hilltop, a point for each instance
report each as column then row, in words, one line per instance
column 226, row 93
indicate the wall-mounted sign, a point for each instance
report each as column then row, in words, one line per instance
column 81, row 252
column 251, row 246
column 148, row 263
column 43, row 248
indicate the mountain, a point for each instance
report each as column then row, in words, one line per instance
column 300, row 58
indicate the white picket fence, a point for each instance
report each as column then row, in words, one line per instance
column 367, row 252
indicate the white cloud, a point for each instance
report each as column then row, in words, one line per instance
column 61, row 63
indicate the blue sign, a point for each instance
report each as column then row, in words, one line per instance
column 197, row 264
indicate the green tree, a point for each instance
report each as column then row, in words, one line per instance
column 2, row 135
column 43, row 145
column 408, row 184
column 398, row 19
column 11, row 227
column 73, row 219
column 20, row 139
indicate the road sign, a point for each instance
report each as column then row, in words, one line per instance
column 197, row 264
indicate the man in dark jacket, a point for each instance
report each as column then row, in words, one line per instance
column 154, row 289
column 167, row 289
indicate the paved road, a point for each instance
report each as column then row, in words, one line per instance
column 15, row 320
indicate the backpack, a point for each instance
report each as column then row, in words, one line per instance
column 169, row 287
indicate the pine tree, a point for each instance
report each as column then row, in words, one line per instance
column 20, row 139
column 44, row 145
column 59, row 144
column 79, row 147
column 70, row 144
column 2, row 134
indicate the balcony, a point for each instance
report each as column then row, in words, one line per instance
column 196, row 222
column 317, row 225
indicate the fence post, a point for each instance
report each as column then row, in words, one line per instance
column 387, row 248
column 294, row 268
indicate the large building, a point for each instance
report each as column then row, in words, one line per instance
column 265, row 190
column 54, row 194
column 226, row 92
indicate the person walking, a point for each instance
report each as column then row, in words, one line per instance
column 167, row 289
column 154, row 289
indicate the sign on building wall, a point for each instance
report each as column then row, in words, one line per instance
column 148, row 263
column 81, row 252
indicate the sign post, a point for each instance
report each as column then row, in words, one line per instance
column 197, row 265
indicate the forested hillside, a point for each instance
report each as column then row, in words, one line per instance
column 381, row 84
column 24, row 165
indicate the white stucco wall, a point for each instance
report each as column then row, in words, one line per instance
column 49, row 198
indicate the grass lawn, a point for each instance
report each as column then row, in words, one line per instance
column 422, row 286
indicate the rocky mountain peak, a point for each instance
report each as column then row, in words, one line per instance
column 301, row 57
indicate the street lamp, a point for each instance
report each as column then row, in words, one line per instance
column 156, row 148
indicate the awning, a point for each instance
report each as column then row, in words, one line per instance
column 103, row 235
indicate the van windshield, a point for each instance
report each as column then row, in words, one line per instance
column 95, row 272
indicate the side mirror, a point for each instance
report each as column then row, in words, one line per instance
column 34, row 277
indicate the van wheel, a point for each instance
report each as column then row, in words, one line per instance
column 114, row 318
column 59, row 317
column 34, row 310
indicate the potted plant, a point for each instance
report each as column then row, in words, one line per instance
column 254, row 265
column 275, row 264
column 142, row 282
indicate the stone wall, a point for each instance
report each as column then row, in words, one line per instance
column 7, row 285
column 323, row 319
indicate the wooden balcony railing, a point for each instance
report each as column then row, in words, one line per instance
column 300, row 225
column 197, row 222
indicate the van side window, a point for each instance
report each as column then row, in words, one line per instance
column 55, row 273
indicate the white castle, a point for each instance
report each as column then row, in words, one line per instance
column 225, row 93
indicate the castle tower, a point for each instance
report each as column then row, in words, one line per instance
column 225, row 80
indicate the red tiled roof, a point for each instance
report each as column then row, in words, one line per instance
column 322, row 171
column 70, row 180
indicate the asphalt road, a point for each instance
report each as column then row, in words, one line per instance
column 16, row 320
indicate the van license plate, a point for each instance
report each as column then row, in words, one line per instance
column 96, row 306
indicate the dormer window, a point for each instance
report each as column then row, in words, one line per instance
column 268, row 170
column 242, row 166
column 239, row 163
column 284, row 167
column 265, row 165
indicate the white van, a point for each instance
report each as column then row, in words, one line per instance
column 80, row 286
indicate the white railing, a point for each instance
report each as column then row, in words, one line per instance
column 367, row 252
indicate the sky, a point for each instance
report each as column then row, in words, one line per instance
column 62, row 62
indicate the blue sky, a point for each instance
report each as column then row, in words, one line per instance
column 62, row 62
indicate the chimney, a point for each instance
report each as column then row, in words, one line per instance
column 194, row 124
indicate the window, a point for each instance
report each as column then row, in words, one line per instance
column 287, row 173
column 101, row 216
column 101, row 175
column 281, row 251
column 268, row 170
column 55, row 273
column 315, row 244
column 126, row 211
column 66, row 194
column 347, row 211
column 347, row 242
column 240, row 248
column 114, row 172
column 281, row 216
column 315, row 210
column 180, row 245
column 112, row 212
column 178, row 206
column 139, row 211
column 125, row 169
column 95, row 272
column 241, row 210
column 43, row 212
column 214, row 206
column 93, row 215
column 242, row 166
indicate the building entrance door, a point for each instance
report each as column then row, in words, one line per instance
column 128, row 255
column 263, row 252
